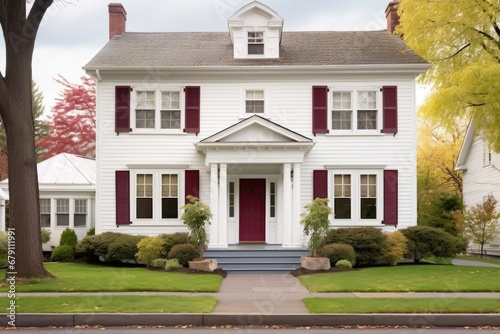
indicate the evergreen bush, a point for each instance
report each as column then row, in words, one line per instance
column 345, row 264
column 174, row 239
column 172, row 264
column 183, row 253
column 45, row 235
column 395, row 247
column 159, row 263
column 336, row 252
column 63, row 253
column 69, row 238
column 149, row 249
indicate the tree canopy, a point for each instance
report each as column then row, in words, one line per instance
column 461, row 40
column 72, row 124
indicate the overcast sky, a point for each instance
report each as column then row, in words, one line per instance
column 73, row 31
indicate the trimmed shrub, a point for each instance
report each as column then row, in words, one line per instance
column 424, row 241
column 45, row 234
column 150, row 248
column 4, row 244
column 395, row 247
column 174, row 239
column 159, row 263
column 91, row 231
column 368, row 242
column 110, row 246
column 183, row 253
column 69, row 238
column 63, row 253
column 172, row 264
column 336, row 252
column 343, row 264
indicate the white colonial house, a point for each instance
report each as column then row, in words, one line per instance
column 256, row 121
column 67, row 196
column 481, row 177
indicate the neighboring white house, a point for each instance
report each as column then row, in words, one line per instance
column 256, row 122
column 67, row 195
column 481, row 176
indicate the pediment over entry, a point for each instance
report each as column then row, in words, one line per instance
column 256, row 129
column 255, row 140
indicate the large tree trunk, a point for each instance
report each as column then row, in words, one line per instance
column 16, row 111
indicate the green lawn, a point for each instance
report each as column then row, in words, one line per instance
column 72, row 277
column 402, row 305
column 115, row 304
column 407, row 278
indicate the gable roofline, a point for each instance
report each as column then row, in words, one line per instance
column 466, row 146
column 235, row 21
column 256, row 119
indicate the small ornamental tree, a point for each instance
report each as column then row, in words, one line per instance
column 196, row 215
column 481, row 222
column 316, row 223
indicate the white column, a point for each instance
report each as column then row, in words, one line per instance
column 223, row 206
column 287, row 206
column 297, row 207
column 214, row 206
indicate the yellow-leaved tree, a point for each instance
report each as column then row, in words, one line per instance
column 461, row 40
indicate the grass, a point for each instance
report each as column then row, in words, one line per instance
column 115, row 304
column 73, row 277
column 407, row 278
column 402, row 305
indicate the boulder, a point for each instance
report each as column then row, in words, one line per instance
column 204, row 265
column 315, row 263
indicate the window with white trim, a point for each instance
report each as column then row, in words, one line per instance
column 156, row 195
column 231, row 199
column 159, row 110
column 355, row 111
column 357, row 196
column 368, row 196
column 255, row 43
column 62, row 212
column 45, row 212
column 254, row 101
column 80, row 215
column 272, row 200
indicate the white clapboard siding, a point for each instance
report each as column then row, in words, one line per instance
column 288, row 103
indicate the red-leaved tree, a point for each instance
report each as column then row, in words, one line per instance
column 72, row 124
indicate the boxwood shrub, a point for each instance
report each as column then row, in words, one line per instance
column 368, row 242
column 174, row 239
column 337, row 252
column 184, row 253
column 63, row 253
column 109, row 246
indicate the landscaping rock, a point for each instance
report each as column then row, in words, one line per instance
column 315, row 263
column 204, row 265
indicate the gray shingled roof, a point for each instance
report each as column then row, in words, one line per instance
column 173, row 49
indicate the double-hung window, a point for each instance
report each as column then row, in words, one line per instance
column 62, row 212
column 256, row 43
column 45, row 212
column 355, row 111
column 80, row 215
column 158, row 110
column 157, row 195
column 254, row 101
column 357, row 196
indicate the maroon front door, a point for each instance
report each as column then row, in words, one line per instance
column 252, row 210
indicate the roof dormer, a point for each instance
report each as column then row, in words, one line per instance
column 255, row 31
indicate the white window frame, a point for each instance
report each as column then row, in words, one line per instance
column 71, row 199
column 86, row 201
column 354, row 107
column 157, row 196
column 243, row 99
column 256, row 55
column 158, row 108
column 356, row 196
column 44, row 212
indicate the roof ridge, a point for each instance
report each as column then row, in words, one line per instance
column 76, row 167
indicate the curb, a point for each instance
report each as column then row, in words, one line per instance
column 198, row 319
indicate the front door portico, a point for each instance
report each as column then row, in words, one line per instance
column 252, row 211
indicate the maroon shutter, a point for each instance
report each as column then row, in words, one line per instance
column 391, row 197
column 320, row 184
column 320, row 109
column 122, row 109
column 192, row 183
column 390, row 108
column 122, row 191
column 192, row 109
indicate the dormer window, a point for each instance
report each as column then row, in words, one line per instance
column 256, row 43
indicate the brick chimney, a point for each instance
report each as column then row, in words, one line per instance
column 391, row 13
column 117, row 19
